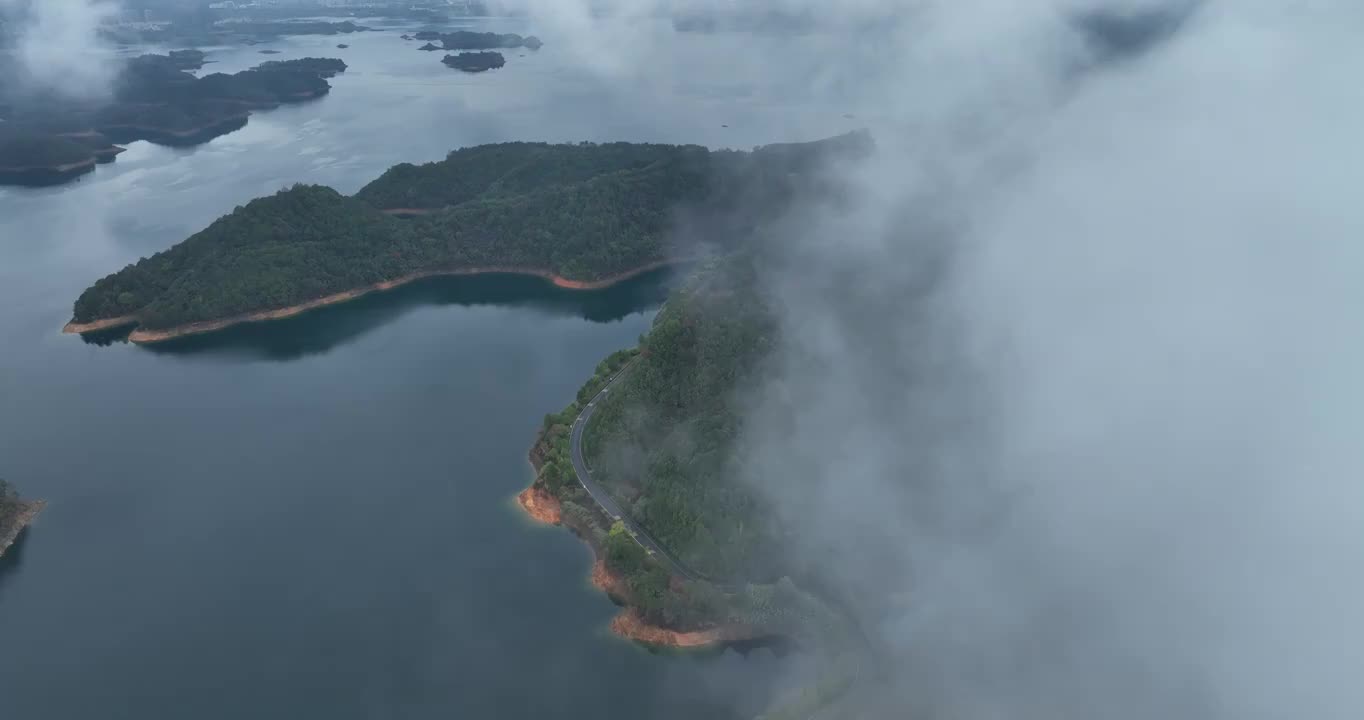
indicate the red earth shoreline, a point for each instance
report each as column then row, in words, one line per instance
column 155, row 336
column 543, row 507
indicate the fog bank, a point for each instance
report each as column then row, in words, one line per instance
column 57, row 45
column 1069, row 402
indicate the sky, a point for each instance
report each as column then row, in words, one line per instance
column 1070, row 398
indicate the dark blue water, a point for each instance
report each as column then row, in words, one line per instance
column 313, row 518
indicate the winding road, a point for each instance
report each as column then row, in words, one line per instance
column 603, row 498
column 609, row 505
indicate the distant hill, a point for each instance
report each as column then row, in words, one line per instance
column 49, row 139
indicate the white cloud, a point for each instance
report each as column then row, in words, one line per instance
column 1082, row 372
column 58, row 44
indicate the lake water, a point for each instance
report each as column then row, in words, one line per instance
column 313, row 518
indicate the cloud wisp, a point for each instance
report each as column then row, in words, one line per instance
column 57, row 44
column 1103, row 450
column 1069, row 400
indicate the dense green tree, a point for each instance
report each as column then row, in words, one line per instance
column 662, row 443
column 584, row 212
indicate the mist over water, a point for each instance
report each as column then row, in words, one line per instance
column 57, row 45
column 314, row 517
column 1112, row 473
column 1069, row 401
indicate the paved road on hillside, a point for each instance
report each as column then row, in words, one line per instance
column 610, row 507
column 605, row 501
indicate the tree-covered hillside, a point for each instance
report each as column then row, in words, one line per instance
column 510, row 169
column 662, row 442
column 25, row 149
column 583, row 212
column 300, row 244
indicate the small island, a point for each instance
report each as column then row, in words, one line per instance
column 321, row 67
column 582, row 216
column 429, row 48
column 473, row 62
column 46, row 140
column 187, row 59
column 15, row 514
column 469, row 40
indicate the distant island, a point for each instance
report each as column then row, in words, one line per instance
column 207, row 31
column 468, row 40
column 582, row 216
column 49, row 140
column 475, row 61
column 15, row 514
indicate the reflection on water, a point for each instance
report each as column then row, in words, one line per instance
column 326, row 328
column 13, row 557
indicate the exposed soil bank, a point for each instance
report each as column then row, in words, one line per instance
column 541, row 505
column 75, row 328
column 144, row 336
column 22, row 521
column 629, row 625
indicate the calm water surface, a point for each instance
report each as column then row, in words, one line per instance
column 312, row 518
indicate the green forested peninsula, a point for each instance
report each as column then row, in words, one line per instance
column 582, row 213
column 662, row 443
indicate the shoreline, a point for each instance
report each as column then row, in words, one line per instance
column 144, row 337
column 24, row 519
column 68, row 167
column 182, row 134
column 75, row 328
column 541, row 506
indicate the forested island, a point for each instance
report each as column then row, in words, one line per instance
column 48, row 139
column 584, row 215
column 15, row 514
column 469, row 40
column 473, row 62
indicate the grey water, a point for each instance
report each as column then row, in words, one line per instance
column 314, row 517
